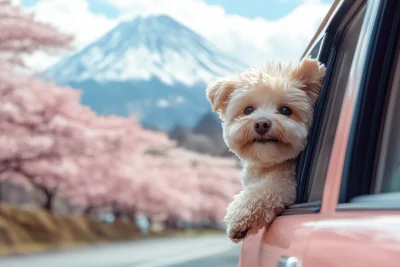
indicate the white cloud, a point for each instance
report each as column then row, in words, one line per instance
column 162, row 103
column 252, row 40
column 70, row 17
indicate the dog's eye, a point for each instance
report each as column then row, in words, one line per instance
column 248, row 110
column 285, row 111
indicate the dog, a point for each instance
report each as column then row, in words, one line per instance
column 266, row 115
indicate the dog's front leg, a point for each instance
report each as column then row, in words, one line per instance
column 252, row 209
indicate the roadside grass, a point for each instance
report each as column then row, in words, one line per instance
column 24, row 231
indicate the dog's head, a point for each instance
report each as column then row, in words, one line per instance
column 267, row 112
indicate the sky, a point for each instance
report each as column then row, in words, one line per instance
column 255, row 31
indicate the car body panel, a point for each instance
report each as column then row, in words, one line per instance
column 288, row 235
column 356, row 239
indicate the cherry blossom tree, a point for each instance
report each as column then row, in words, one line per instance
column 218, row 180
column 45, row 133
column 21, row 34
column 121, row 173
column 181, row 185
column 54, row 142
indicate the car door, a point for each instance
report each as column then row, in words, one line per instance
column 286, row 240
column 361, row 228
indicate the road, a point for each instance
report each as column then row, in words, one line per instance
column 204, row 251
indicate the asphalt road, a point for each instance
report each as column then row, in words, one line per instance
column 205, row 251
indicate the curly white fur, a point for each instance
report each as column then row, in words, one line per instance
column 268, row 176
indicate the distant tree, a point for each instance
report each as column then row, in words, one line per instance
column 46, row 135
column 188, row 186
column 121, row 173
column 21, row 34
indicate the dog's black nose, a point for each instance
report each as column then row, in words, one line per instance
column 262, row 126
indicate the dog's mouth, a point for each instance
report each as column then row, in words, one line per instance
column 265, row 140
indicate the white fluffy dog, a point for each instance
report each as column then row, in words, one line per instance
column 266, row 116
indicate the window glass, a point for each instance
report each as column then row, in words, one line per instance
column 344, row 58
column 388, row 171
column 315, row 51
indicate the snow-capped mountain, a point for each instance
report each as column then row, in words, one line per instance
column 153, row 66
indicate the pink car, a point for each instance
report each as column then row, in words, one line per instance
column 347, row 212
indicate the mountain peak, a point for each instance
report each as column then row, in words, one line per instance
column 152, row 24
column 145, row 48
column 153, row 67
column 159, row 18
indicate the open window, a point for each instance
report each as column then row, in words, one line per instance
column 337, row 52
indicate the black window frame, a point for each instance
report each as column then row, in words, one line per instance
column 331, row 101
column 331, row 40
column 356, row 192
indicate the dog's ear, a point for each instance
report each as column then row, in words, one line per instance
column 218, row 94
column 311, row 73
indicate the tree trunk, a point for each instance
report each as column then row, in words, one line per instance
column 171, row 223
column 116, row 211
column 2, row 198
column 151, row 221
column 117, row 214
column 131, row 213
column 49, row 194
column 88, row 210
column 48, row 203
column 213, row 223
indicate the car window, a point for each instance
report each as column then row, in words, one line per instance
column 336, row 89
column 317, row 48
column 388, row 166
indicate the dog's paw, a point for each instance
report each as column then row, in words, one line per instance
column 247, row 215
column 240, row 220
column 243, row 224
column 237, row 236
column 241, row 227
